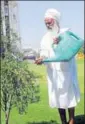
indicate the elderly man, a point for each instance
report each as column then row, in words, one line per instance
column 63, row 90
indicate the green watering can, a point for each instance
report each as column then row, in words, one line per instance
column 68, row 46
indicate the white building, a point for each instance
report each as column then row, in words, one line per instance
column 10, row 20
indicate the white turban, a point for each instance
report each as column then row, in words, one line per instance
column 53, row 13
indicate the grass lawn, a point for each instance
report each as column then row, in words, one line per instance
column 41, row 112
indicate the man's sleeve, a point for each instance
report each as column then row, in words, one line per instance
column 44, row 52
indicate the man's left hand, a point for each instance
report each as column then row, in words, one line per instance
column 38, row 61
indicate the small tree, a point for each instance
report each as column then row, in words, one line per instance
column 18, row 84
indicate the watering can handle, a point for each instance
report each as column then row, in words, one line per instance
column 72, row 34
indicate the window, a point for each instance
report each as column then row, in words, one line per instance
column 14, row 17
column 6, row 2
column 6, row 10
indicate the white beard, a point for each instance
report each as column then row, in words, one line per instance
column 54, row 31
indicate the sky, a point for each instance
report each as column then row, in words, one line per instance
column 31, row 18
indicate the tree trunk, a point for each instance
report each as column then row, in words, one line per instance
column 7, row 114
column 7, row 110
column 6, row 118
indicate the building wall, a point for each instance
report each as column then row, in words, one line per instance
column 3, row 18
column 10, row 19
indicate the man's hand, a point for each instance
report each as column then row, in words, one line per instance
column 38, row 61
column 56, row 40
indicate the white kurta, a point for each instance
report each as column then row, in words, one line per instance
column 63, row 89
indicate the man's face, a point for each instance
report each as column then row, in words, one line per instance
column 49, row 22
